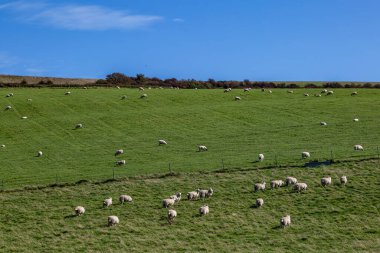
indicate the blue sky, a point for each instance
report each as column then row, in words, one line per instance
column 270, row 40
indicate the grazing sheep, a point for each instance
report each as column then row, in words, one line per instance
column 259, row 187
column 270, row 91
column 193, row 195
column 326, row 181
column 118, row 87
column 124, row 97
column 300, row 187
column 202, row 148
column 141, row 88
column 77, row 126
column 305, row 155
column 237, row 98
column 358, row 147
column 306, row 94
column 2, row 145
column 317, row 95
column 261, row 157
column 121, row 162
column 330, row 92
column 206, row 193
column 171, row 215
column 247, row 89
column 289, row 91
column 323, row 123
column 285, row 221
column 291, row 180
column 113, row 220
column 125, row 198
column 39, row 153
column 167, row 202
column 176, row 197
column 227, row 90
column 24, row 117
column 29, row 99
column 107, row 202
column 276, row 184
column 67, row 92
column 259, row 203
column 79, row 210
column 119, row 152
column 356, row 120
column 324, row 91
column 8, row 107
column 354, row 93
column 204, row 210
column 162, row 142
column 144, row 96
column 343, row 180
column 9, row 95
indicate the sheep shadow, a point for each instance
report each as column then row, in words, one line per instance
column 277, row 227
column 314, row 164
column 70, row 216
column 254, row 206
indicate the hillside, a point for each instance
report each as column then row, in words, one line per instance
column 12, row 79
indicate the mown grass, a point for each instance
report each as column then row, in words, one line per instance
column 280, row 125
column 331, row 219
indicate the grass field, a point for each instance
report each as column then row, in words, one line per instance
column 280, row 125
column 331, row 219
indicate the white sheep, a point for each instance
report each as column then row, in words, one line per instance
column 276, row 184
column 261, row 157
column 354, row 93
column 119, row 152
column 237, row 98
column 39, row 153
column 203, row 210
column 144, row 95
column 259, row 202
column 193, row 195
column 305, row 155
column 113, row 220
column 67, row 92
column 270, row 91
column 30, row 100
column 79, row 210
column 206, row 193
column 356, row 120
column 324, row 91
column 291, row 180
column 167, row 202
column 358, row 147
column 107, row 202
column 343, row 180
column 162, row 142
column 306, row 94
column 326, row 181
column 202, row 148
column 285, row 221
column 8, row 107
column 2, row 145
column 171, row 215
column 227, row 90
column 322, row 123
column 121, row 162
column 247, row 89
column 330, row 92
column 317, row 95
column 300, row 187
column 259, row 187
column 118, row 87
column 77, row 126
column 124, row 97
column 176, row 197
column 289, row 91
column 125, row 198
column 24, row 117
column 9, row 95
column 141, row 88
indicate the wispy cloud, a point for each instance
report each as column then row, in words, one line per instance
column 178, row 20
column 79, row 17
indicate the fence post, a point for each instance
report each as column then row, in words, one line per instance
column 222, row 164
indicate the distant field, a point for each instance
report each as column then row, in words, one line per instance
column 331, row 219
column 280, row 125
column 37, row 79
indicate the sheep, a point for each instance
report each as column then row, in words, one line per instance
column 285, row 221
column 202, row 148
column 356, row 120
column 119, row 152
column 291, row 180
column 39, row 153
column 317, row 95
column 67, row 92
column 237, row 98
column 326, row 181
column 107, row 202
column 270, row 91
column 259, row 203
column 124, row 97
column 247, row 89
column 193, row 195
column 167, row 202
column 300, row 187
column 227, row 90
column 8, row 107
column 79, row 210
column 261, row 157
column 30, row 100
column 305, row 155
column 125, row 198
column 144, row 95
column 354, row 93
column 2, row 145
column 289, row 91
column 121, row 162
column 141, row 88
column 330, row 92
column 276, row 184
column 162, row 142
column 324, row 91
column 118, row 87
column 343, row 180
column 306, row 94
column 358, row 147
column 9, row 95
column 322, row 123
column 24, row 117
column 206, row 193
column 259, row 187
column 203, row 210
column 77, row 126
column 113, row 220
column 176, row 197
column 171, row 215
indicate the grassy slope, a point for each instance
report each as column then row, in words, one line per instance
column 36, row 79
column 333, row 219
column 280, row 125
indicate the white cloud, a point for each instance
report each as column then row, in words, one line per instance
column 178, row 20
column 80, row 17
